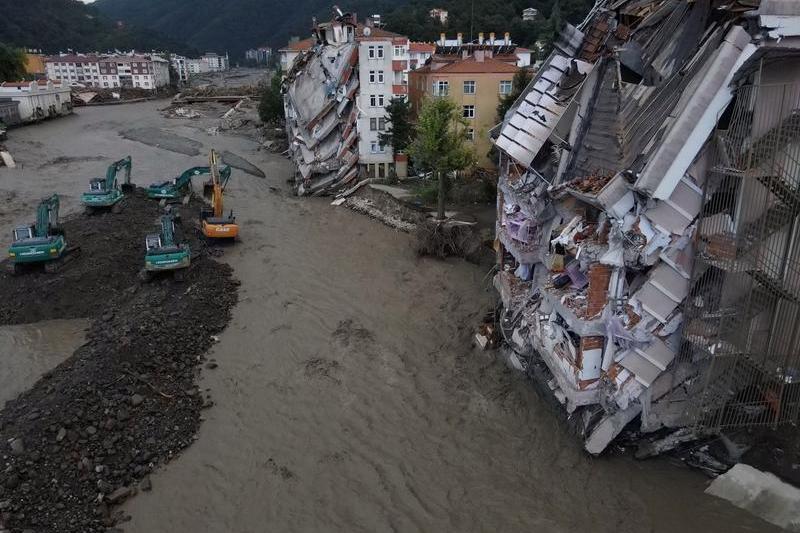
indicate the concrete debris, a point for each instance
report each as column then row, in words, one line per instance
column 606, row 159
column 6, row 159
column 760, row 493
column 319, row 94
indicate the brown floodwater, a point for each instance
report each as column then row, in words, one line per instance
column 348, row 397
column 27, row 351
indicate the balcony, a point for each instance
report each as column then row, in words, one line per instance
column 399, row 89
column 399, row 65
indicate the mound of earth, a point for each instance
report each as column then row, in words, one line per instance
column 87, row 435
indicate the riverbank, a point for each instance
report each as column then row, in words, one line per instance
column 347, row 395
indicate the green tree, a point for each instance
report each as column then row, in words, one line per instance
column 270, row 108
column 521, row 80
column 400, row 129
column 440, row 144
column 12, row 63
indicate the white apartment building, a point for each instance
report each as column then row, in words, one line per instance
column 383, row 63
column 214, row 62
column 419, row 53
column 38, row 99
column 181, row 66
column 109, row 71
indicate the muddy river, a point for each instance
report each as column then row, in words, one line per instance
column 30, row 350
column 347, row 395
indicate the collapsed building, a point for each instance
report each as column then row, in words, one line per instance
column 335, row 98
column 648, row 208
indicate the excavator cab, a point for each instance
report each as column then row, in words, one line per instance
column 23, row 233
column 97, row 185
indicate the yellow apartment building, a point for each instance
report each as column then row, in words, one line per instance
column 475, row 81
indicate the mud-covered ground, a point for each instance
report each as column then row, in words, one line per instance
column 86, row 436
column 347, row 396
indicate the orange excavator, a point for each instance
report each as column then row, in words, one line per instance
column 214, row 223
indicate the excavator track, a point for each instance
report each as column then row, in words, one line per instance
column 71, row 253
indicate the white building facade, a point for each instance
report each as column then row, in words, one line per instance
column 38, row 100
column 214, row 62
column 383, row 59
column 180, row 64
column 148, row 72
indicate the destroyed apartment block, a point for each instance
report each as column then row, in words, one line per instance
column 321, row 111
column 648, row 211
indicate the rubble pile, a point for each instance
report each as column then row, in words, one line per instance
column 607, row 161
column 320, row 91
column 89, row 433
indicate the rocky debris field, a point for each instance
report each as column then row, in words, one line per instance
column 89, row 433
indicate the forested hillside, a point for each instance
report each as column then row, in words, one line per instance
column 499, row 16
column 236, row 25
column 232, row 25
column 56, row 25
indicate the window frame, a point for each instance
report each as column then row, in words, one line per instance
column 506, row 83
column 472, row 84
column 468, row 111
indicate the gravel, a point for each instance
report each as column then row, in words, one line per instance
column 90, row 431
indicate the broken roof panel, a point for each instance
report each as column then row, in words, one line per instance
column 539, row 112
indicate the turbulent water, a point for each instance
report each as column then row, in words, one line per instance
column 347, row 395
column 30, row 350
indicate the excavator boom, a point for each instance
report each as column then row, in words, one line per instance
column 214, row 222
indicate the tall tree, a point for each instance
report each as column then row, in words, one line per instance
column 12, row 63
column 270, row 107
column 400, row 130
column 521, row 80
column 440, row 144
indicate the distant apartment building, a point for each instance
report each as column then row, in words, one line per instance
column 181, row 66
column 35, row 63
column 475, row 76
column 439, row 15
column 419, row 53
column 35, row 100
column 530, row 14
column 260, row 55
column 109, row 71
column 290, row 52
column 215, row 62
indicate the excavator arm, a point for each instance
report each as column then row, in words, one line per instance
column 113, row 169
column 46, row 216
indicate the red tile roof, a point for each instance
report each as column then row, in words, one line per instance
column 471, row 65
column 377, row 33
column 298, row 46
column 418, row 47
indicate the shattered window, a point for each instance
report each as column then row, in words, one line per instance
column 471, row 134
column 469, row 111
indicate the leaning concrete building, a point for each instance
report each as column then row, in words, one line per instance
column 648, row 237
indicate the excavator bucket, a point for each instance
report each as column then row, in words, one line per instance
column 128, row 188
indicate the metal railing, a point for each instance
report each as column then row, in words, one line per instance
column 742, row 316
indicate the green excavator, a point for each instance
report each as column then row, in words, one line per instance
column 107, row 193
column 43, row 242
column 164, row 253
column 173, row 189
